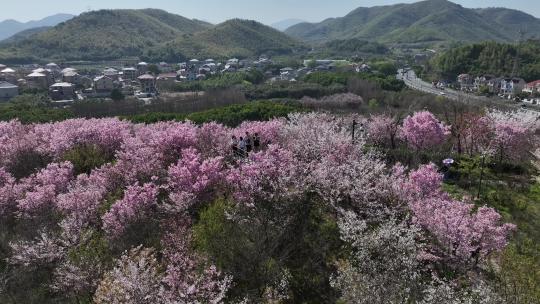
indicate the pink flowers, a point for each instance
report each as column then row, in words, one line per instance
column 383, row 130
column 423, row 131
column 462, row 233
column 40, row 190
column 192, row 179
column 169, row 172
column 137, row 200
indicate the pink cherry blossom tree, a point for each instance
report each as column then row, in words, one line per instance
column 423, row 130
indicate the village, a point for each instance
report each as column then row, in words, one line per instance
column 511, row 88
column 66, row 84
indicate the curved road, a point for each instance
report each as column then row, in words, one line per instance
column 413, row 82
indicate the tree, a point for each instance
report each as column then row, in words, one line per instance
column 117, row 95
column 423, row 131
column 154, row 69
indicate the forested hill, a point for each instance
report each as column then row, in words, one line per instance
column 233, row 38
column 431, row 21
column 490, row 58
column 113, row 34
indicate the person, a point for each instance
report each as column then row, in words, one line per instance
column 242, row 147
column 234, row 145
column 249, row 144
column 256, row 142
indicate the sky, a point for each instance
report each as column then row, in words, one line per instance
column 215, row 11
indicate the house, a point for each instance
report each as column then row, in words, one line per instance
column 482, row 81
column 37, row 80
column 66, row 70
column 62, row 91
column 103, row 84
column 129, row 73
column 165, row 67
column 363, row 68
column 233, row 62
column 532, row 87
column 142, row 68
column 147, row 83
column 71, row 77
column 287, row 74
column 7, row 74
column 466, row 82
column 165, row 81
column 53, row 67
column 194, row 63
column 111, row 73
column 8, row 91
column 512, row 86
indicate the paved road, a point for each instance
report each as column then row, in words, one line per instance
column 416, row 83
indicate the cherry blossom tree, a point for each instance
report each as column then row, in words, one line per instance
column 383, row 130
column 136, row 202
column 134, row 279
column 423, row 130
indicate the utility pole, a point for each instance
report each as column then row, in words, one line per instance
column 354, row 124
column 515, row 68
column 481, row 175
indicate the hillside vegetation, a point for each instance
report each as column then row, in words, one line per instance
column 431, row 21
column 150, row 33
column 490, row 58
column 233, row 38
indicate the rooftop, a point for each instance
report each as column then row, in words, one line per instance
column 146, row 76
column 62, row 85
column 36, row 74
column 6, row 85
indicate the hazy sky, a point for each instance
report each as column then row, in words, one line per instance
column 266, row 11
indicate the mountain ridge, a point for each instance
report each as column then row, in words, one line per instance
column 146, row 33
column 429, row 21
column 11, row 27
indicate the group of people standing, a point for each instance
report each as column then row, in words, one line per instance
column 245, row 144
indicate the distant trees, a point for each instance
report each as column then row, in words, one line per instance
column 117, row 95
column 491, row 58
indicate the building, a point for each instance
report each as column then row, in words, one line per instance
column 103, row 84
column 111, row 73
column 142, row 68
column 71, row 77
column 466, row 82
column 532, row 87
column 8, row 74
column 37, row 80
column 52, row 66
column 62, row 91
column 512, row 86
column 148, row 83
column 8, row 91
column 129, row 73
column 166, row 81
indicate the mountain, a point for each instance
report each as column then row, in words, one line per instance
column 431, row 21
column 149, row 34
column 101, row 35
column 23, row 35
column 233, row 38
column 285, row 24
column 9, row 28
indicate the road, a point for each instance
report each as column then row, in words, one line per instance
column 418, row 84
